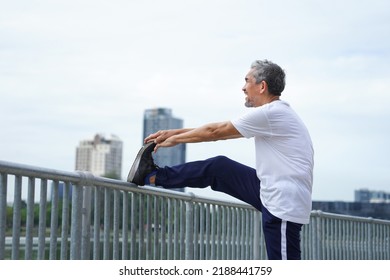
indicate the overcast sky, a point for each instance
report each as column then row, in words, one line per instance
column 71, row 69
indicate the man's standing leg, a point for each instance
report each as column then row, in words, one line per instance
column 282, row 238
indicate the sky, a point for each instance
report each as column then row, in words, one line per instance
column 71, row 69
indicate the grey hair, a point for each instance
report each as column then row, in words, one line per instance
column 271, row 73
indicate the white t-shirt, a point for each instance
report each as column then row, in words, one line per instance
column 284, row 159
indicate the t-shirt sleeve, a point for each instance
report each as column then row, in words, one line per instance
column 254, row 123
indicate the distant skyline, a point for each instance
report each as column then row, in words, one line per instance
column 71, row 69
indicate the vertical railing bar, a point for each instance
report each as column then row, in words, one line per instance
column 361, row 240
column 320, row 236
column 176, row 248
column 141, row 232
column 208, row 233
column 213, row 218
column 3, row 212
column 54, row 220
column 196, row 232
column 370, row 238
column 386, row 246
column 16, row 218
column 201, row 232
column 182, row 229
column 107, row 224
column 248, row 235
column 170, row 231
column 163, row 245
column 234, row 233
column 353, row 240
column 228, row 233
column 176, row 230
column 96, row 223
column 238, row 244
column 383, row 248
column 374, row 239
column 30, row 219
column 148, row 227
column 218, row 233
column 243, row 234
column 325, row 238
column 86, row 223
column 116, row 219
column 76, row 222
column 125, row 225
column 331, row 239
column 256, row 235
column 340, row 237
column 133, row 227
column 334, row 239
column 42, row 220
column 366, row 241
column 156, row 228
column 65, row 221
column 223, row 233
column 189, row 231
column 252, row 224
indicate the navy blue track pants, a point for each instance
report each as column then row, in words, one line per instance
column 282, row 238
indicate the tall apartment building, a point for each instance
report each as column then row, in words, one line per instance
column 159, row 119
column 101, row 156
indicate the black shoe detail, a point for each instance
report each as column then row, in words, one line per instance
column 143, row 165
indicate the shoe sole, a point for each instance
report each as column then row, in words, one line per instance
column 137, row 160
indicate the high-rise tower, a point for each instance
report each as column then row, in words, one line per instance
column 101, row 156
column 160, row 119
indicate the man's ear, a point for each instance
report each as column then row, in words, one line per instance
column 263, row 87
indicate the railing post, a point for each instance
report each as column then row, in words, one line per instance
column 370, row 238
column 16, row 220
column 86, row 224
column 75, row 235
column 42, row 220
column 65, row 221
column 54, row 221
column 256, row 235
column 30, row 219
column 317, row 236
column 189, row 245
column 3, row 211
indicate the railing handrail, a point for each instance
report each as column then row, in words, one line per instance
column 85, row 178
column 319, row 213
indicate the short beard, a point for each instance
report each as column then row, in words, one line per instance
column 249, row 104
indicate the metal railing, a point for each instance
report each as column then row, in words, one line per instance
column 75, row 215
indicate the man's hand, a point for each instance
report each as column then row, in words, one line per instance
column 160, row 136
column 164, row 138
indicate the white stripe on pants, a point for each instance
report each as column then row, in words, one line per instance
column 283, row 232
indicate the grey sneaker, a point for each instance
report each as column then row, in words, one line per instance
column 143, row 165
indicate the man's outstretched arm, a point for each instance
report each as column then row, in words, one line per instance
column 205, row 133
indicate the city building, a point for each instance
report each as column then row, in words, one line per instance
column 159, row 119
column 368, row 203
column 366, row 195
column 102, row 156
column 359, row 209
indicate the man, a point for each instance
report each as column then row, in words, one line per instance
column 280, row 186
